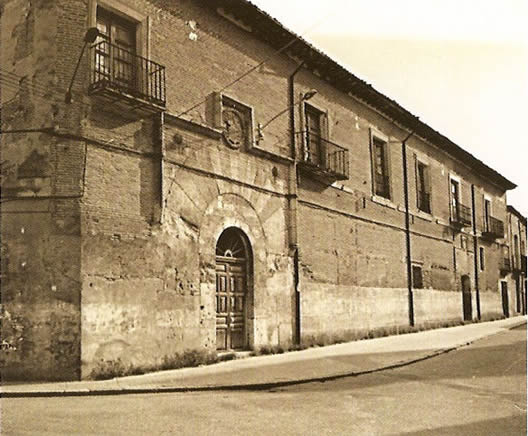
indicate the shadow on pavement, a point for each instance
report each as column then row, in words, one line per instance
column 512, row 425
column 478, row 361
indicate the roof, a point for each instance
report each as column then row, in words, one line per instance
column 519, row 215
column 271, row 31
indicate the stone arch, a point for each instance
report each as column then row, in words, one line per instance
column 231, row 211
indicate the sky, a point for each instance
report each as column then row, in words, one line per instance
column 460, row 65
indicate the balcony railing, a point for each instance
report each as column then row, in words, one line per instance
column 424, row 201
column 460, row 215
column 504, row 264
column 116, row 70
column 494, row 229
column 324, row 158
column 382, row 185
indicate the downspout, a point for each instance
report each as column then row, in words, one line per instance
column 475, row 250
column 292, row 204
column 408, row 229
column 160, row 123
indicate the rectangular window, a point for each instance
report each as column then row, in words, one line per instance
column 417, row 278
column 380, row 168
column 315, row 120
column 481, row 258
column 455, row 199
column 423, row 187
column 115, row 54
column 487, row 213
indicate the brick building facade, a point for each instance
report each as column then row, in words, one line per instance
column 513, row 264
column 161, row 209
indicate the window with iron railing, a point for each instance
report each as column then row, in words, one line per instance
column 116, row 67
column 460, row 214
column 120, row 70
column 325, row 156
column 494, row 228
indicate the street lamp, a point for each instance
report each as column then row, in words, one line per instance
column 306, row 96
column 89, row 38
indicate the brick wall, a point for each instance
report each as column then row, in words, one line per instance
column 137, row 209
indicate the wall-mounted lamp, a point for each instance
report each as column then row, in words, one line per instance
column 89, row 38
column 260, row 127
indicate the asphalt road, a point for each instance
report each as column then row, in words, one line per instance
column 477, row 390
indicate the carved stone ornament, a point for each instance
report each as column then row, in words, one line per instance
column 234, row 127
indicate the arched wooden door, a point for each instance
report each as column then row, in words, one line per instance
column 232, row 284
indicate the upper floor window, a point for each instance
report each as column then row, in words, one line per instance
column 455, row 198
column 115, row 50
column 315, row 127
column 380, row 167
column 423, row 187
column 481, row 256
column 487, row 214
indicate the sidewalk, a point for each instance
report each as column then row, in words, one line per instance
column 264, row 372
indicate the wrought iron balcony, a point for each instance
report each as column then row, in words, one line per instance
column 323, row 158
column 519, row 263
column 504, row 265
column 494, row 229
column 382, row 185
column 424, row 201
column 122, row 75
column 460, row 215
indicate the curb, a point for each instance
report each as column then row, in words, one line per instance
column 242, row 387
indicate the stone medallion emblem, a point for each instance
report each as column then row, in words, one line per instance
column 234, row 127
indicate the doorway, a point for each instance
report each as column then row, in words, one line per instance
column 504, row 294
column 233, row 261
column 466, row 298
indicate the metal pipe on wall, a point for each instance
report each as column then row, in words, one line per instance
column 292, row 203
column 475, row 250
column 408, row 229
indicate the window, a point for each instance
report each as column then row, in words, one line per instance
column 516, row 251
column 315, row 120
column 455, row 199
column 481, row 256
column 115, row 50
column 380, row 168
column 417, row 278
column 487, row 214
column 423, row 187
column 236, row 123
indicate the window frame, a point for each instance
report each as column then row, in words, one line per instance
column 454, row 180
column 427, row 182
column 416, row 267
column 140, row 21
column 323, row 131
column 381, row 138
column 487, row 212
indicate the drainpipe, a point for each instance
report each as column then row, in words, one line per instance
column 408, row 229
column 292, row 204
column 475, row 250
column 160, row 123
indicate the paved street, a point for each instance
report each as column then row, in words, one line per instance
column 477, row 390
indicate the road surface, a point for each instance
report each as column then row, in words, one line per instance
column 477, row 390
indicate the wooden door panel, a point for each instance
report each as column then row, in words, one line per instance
column 231, row 288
